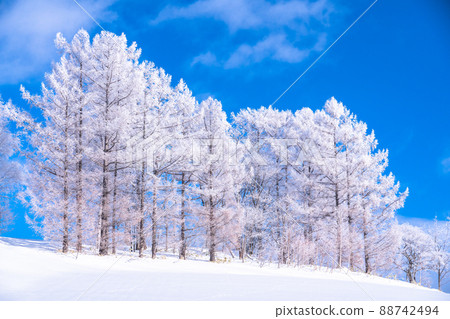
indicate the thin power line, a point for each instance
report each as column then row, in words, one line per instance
column 89, row 15
column 323, row 53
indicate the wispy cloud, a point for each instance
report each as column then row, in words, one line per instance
column 207, row 58
column 28, row 28
column 270, row 23
column 249, row 14
column 275, row 46
column 446, row 165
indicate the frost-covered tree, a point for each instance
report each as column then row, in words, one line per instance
column 149, row 119
column 415, row 251
column 316, row 174
column 265, row 196
column 440, row 259
column 51, row 151
column 254, row 198
column 10, row 171
column 188, row 127
column 369, row 197
column 308, row 186
column 117, row 157
column 216, row 174
column 117, row 86
column 351, row 188
column 330, row 151
column 77, row 54
column 281, row 214
column 163, row 155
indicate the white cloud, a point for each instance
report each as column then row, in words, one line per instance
column 269, row 21
column 275, row 46
column 207, row 58
column 28, row 28
column 446, row 165
column 249, row 14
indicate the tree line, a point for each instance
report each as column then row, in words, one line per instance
column 119, row 158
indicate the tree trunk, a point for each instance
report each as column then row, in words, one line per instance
column 154, row 223
column 79, row 183
column 141, row 226
column 65, row 245
column 142, row 182
column 242, row 248
column 337, row 213
column 351, row 234
column 114, row 211
column 79, row 199
column 280, row 224
column 439, row 273
column 212, row 232
column 166, row 226
column 367, row 268
column 142, row 245
column 339, row 230
column 183, row 244
column 349, row 219
column 103, row 250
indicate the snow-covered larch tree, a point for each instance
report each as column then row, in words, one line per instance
column 77, row 53
column 187, row 112
column 50, row 149
column 162, row 130
column 216, row 175
column 10, row 171
column 117, row 86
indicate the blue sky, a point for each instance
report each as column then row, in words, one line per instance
column 392, row 69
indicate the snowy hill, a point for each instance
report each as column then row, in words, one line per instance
column 33, row 270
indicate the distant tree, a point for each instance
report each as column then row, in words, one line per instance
column 440, row 259
column 415, row 251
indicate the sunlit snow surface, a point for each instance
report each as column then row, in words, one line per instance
column 33, row 270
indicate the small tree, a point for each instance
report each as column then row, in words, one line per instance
column 414, row 251
column 440, row 263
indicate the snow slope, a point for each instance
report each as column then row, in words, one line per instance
column 33, row 270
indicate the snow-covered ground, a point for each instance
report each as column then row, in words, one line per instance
column 33, row 270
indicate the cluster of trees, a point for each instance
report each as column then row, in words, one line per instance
column 119, row 158
column 424, row 250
